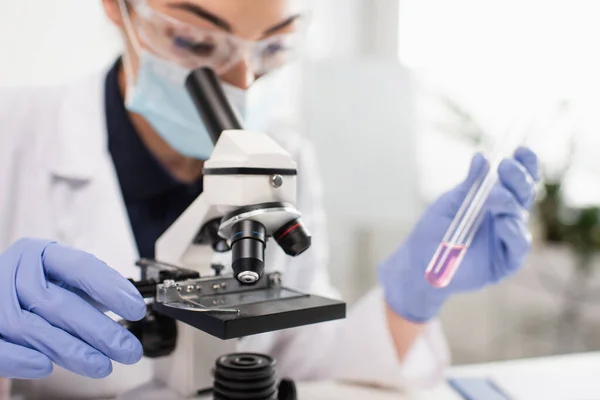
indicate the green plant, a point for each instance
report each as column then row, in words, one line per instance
column 578, row 228
column 464, row 125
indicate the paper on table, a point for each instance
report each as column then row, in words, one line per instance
column 569, row 384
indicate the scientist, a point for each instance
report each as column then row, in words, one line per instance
column 104, row 166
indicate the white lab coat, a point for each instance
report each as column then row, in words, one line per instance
column 58, row 182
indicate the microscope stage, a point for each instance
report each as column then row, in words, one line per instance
column 260, row 311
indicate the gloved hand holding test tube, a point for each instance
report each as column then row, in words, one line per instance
column 466, row 223
column 479, row 225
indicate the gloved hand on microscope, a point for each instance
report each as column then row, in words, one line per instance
column 53, row 298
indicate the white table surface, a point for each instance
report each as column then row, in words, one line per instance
column 546, row 365
column 573, row 377
column 309, row 391
column 336, row 391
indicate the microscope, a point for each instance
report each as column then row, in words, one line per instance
column 208, row 286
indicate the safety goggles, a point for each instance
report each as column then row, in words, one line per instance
column 193, row 47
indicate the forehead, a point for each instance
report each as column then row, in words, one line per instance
column 246, row 17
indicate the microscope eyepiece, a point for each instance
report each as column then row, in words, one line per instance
column 217, row 113
column 248, row 241
column 293, row 238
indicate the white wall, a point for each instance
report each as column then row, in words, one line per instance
column 52, row 41
column 526, row 55
column 359, row 113
column 359, row 27
column 358, row 109
column 336, row 28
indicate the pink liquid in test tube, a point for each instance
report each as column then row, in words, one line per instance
column 444, row 265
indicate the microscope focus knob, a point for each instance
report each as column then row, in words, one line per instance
column 157, row 333
column 245, row 376
column 250, row 376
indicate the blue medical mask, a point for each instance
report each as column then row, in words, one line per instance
column 159, row 95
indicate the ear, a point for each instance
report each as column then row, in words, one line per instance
column 113, row 11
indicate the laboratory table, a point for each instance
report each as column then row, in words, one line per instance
column 572, row 377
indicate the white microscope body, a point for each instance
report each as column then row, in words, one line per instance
column 248, row 168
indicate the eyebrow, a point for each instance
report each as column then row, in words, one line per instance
column 282, row 25
column 202, row 13
column 221, row 23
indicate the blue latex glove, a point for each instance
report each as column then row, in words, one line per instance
column 43, row 319
column 497, row 251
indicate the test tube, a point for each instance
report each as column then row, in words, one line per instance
column 466, row 223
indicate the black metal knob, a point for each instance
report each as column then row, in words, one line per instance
column 218, row 268
column 245, row 376
column 157, row 333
